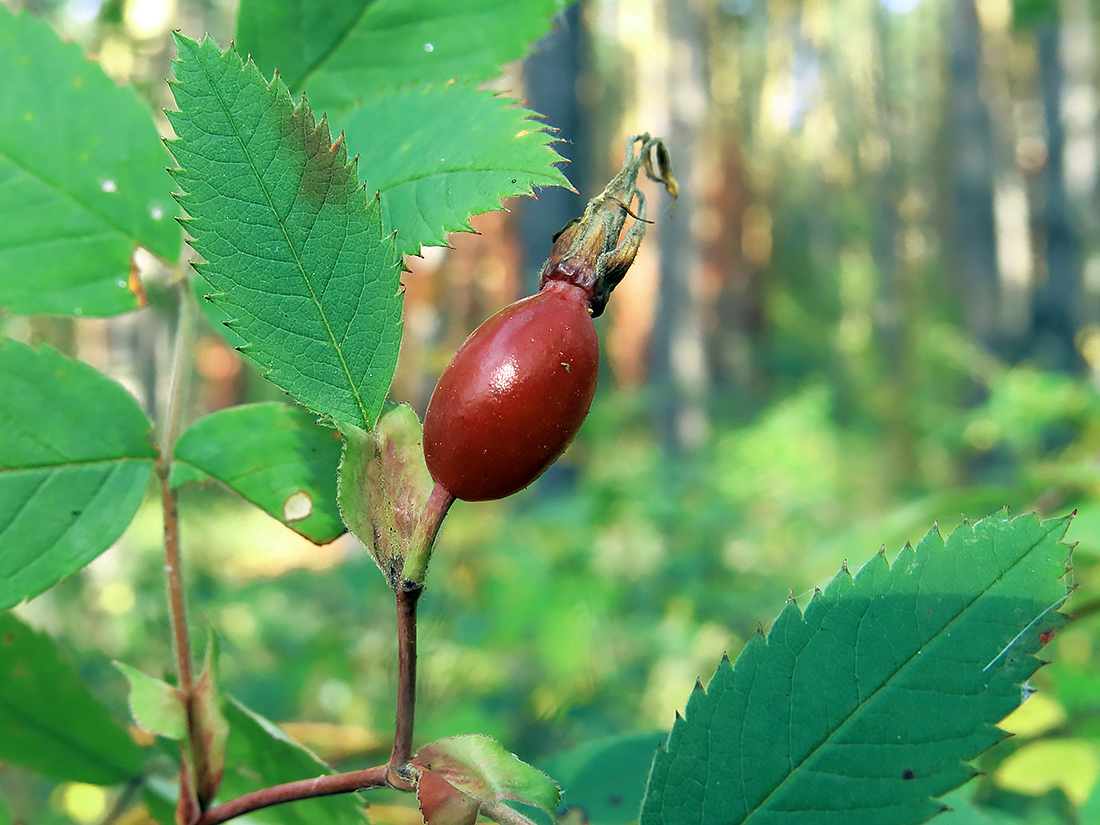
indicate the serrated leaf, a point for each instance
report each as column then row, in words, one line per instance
column 74, row 464
column 261, row 754
column 276, row 456
column 295, row 253
column 480, row 767
column 49, row 721
column 384, row 485
column 867, row 707
column 342, row 54
column 458, row 152
column 155, row 705
column 82, row 178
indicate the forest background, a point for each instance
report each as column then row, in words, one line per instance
column 875, row 306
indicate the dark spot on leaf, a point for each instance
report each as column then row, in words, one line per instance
column 76, row 512
column 908, row 774
column 9, row 638
column 614, row 801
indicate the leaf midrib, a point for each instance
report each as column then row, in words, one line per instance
column 365, row 417
column 72, row 464
column 855, row 711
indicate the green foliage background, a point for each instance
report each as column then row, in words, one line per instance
column 588, row 611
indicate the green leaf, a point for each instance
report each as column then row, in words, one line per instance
column 260, row 755
column 49, row 720
column 82, row 178
column 481, row 768
column 155, row 705
column 867, row 707
column 460, row 151
column 360, row 48
column 606, row 778
column 74, row 464
column 384, row 485
column 275, row 455
column 297, row 257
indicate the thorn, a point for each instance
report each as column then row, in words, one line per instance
column 725, row 658
column 698, row 685
column 679, row 717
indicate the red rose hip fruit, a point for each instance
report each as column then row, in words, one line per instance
column 514, row 395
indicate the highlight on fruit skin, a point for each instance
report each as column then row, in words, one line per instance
column 518, row 389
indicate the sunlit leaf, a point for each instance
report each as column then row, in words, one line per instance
column 343, row 51
column 869, row 705
column 275, row 455
column 458, row 151
column 74, row 463
column 49, row 720
column 294, row 251
column 82, row 178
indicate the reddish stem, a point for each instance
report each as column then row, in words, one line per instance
column 408, row 596
column 173, row 578
column 326, row 785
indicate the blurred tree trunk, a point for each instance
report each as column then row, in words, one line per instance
column 1054, row 318
column 551, row 74
column 679, row 369
column 973, row 234
column 885, row 230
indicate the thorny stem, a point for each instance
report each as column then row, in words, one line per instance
column 327, row 785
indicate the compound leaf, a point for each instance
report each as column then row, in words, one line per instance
column 82, row 178
column 274, row 455
column 345, row 51
column 74, row 463
column 868, row 706
column 294, row 250
column 49, row 721
column 433, row 179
